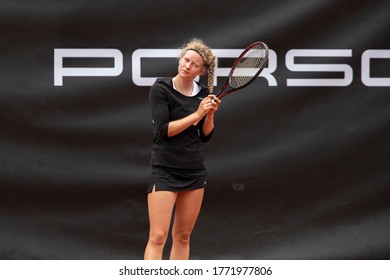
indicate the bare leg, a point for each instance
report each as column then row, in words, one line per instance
column 188, row 204
column 160, row 207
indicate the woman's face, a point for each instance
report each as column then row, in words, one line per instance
column 190, row 65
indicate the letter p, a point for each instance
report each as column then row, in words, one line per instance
column 60, row 71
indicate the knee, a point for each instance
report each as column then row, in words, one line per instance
column 158, row 238
column 183, row 237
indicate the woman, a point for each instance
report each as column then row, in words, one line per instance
column 183, row 118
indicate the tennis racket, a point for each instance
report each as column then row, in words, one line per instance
column 246, row 68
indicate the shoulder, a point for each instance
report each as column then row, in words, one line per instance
column 204, row 91
column 163, row 82
column 161, row 86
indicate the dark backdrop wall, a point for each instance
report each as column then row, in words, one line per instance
column 298, row 167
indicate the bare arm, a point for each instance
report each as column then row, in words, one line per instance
column 208, row 125
column 178, row 126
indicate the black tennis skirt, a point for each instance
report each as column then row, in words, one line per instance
column 176, row 179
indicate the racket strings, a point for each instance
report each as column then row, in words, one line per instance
column 248, row 66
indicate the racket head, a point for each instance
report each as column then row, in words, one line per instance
column 246, row 68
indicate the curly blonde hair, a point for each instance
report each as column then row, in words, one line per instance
column 207, row 55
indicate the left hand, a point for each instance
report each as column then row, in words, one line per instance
column 215, row 101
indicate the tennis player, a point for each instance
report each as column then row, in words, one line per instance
column 183, row 119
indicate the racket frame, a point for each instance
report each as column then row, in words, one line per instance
column 222, row 91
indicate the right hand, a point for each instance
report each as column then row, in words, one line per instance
column 205, row 106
